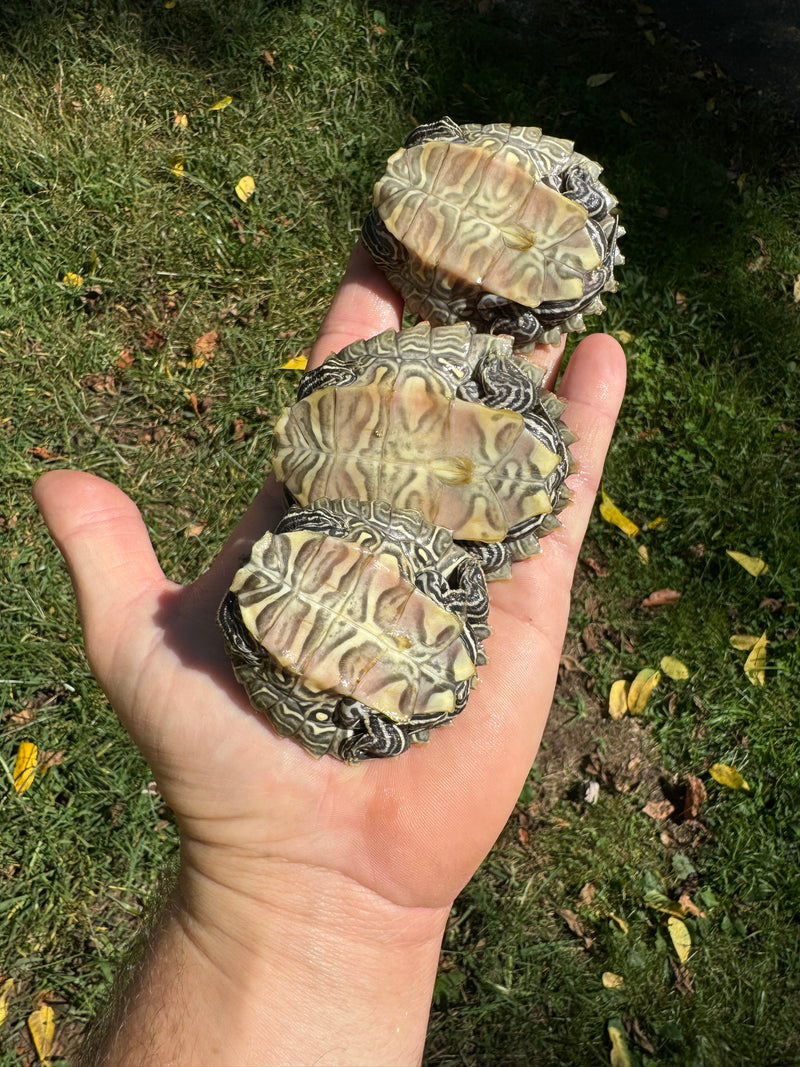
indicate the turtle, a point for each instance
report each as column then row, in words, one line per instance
column 439, row 419
column 497, row 225
column 356, row 627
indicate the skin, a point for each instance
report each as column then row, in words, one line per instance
column 306, row 923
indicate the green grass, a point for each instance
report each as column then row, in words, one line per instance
column 101, row 376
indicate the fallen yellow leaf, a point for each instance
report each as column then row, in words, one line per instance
column 178, row 164
column 611, row 513
column 680, row 937
column 618, row 699
column 644, row 555
column 220, row 105
column 6, row 990
column 42, row 1025
column 626, row 118
column 245, row 188
column 674, row 669
column 611, row 980
column 181, row 121
column 74, row 280
column 728, row 776
column 744, row 642
column 595, row 80
column 298, row 362
column 756, row 663
column 752, row 564
column 650, row 36
column 25, row 766
column 624, row 927
column 620, row 1057
column 641, row 687
column 623, row 336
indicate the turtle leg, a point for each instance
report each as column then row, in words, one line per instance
column 502, row 315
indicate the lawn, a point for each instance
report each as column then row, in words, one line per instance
column 147, row 314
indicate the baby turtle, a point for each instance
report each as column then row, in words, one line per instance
column 356, row 627
column 442, row 420
column 496, row 225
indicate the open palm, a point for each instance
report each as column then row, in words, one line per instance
column 412, row 829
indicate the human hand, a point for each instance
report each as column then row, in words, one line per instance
column 255, row 811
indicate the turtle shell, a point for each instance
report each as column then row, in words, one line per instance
column 496, row 225
column 356, row 627
column 441, row 420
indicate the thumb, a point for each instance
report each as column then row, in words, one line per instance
column 106, row 546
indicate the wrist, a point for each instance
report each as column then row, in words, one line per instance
column 314, row 968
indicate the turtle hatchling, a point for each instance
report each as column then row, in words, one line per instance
column 441, row 420
column 497, row 225
column 356, row 627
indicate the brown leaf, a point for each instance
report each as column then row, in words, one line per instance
column 205, row 345
column 50, row 759
column 680, row 301
column 569, row 663
column 267, row 59
column 586, row 895
column 100, row 383
column 239, row 432
column 40, row 452
column 523, row 835
column 574, row 923
column 125, row 359
column 771, row 604
column 689, row 906
column 154, row 340
column 638, row 1036
column 683, row 979
column 193, row 402
column 696, row 796
column 658, row 809
column 593, row 565
column 660, row 597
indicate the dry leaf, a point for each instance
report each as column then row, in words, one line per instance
column 611, row 980
column 756, row 663
column 573, row 922
column 620, row 922
column 618, row 699
column 42, row 1025
column 220, row 105
column 25, row 766
column 641, row 687
column 743, row 642
column 752, row 564
column 660, row 597
column 611, row 513
column 41, row 452
column 586, row 895
column 658, row 809
column 205, row 345
column 690, row 907
column 623, row 336
column 620, row 1056
column 245, row 188
column 728, row 776
column 626, row 118
column 6, row 989
column 594, row 80
column 298, row 362
column 796, row 289
column 125, row 359
column 696, row 796
column 194, row 530
column 680, row 937
column 674, row 669
column 644, row 555
column 181, row 121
